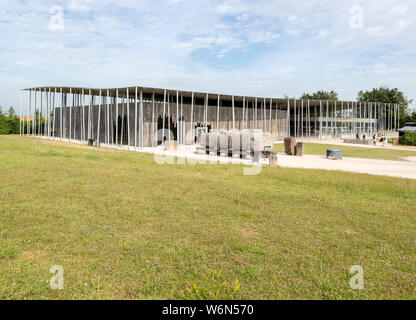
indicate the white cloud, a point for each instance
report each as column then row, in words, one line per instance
column 235, row 46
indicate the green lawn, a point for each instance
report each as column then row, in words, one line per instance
column 124, row 227
column 354, row 152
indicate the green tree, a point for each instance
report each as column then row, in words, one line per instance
column 11, row 113
column 387, row 95
column 321, row 95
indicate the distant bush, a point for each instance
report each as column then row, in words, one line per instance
column 409, row 138
column 9, row 125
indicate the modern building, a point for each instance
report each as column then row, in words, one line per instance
column 145, row 117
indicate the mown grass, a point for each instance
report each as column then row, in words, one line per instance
column 354, row 152
column 123, row 227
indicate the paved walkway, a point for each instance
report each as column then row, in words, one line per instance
column 400, row 169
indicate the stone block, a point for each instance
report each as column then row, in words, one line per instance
column 300, row 149
column 290, row 143
column 273, row 159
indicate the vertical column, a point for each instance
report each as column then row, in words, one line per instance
column 34, row 116
column 20, row 113
column 54, row 114
column 192, row 119
column 398, row 116
column 128, row 118
column 99, row 119
column 28, row 102
column 233, row 111
column 169, row 118
column 277, row 122
column 308, row 125
column 302, row 118
column 116, row 117
column 218, row 113
column 264, row 116
column 270, row 115
column 108, row 118
column 61, row 122
column 288, row 118
column 164, row 115
column 135, row 119
column 141, row 120
column 320, row 119
column 40, row 114
column 153, row 119
column 177, row 118
column 49, row 107
column 244, row 106
column 182, row 122
column 295, row 121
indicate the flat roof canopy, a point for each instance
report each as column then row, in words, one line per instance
column 159, row 95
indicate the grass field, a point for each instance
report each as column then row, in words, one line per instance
column 124, row 227
column 354, row 152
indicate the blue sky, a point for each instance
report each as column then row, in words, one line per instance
column 263, row 48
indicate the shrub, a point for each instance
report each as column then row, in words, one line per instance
column 409, row 138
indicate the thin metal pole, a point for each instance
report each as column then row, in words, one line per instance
column 164, row 114
column 244, row 105
column 116, row 117
column 270, row 115
column 28, row 105
column 108, row 118
column 192, row 118
column 308, row 121
column 34, row 117
column 169, row 118
column 20, row 113
column 397, row 117
column 301, row 118
column 288, row 118
column 295, row 120
column 218, row 113
column 153, row 119
column 206, row 112
column 247, row 115
column 61, row 118
column 141, row 120
column 177, row 117
column 320, row 119
column 83, row 116
column 182, row 122
column 49, row 112
column 135, row 119
column 54, row 114
column 28, row 102
column 39, row 113
column 122, row 122
column 277, row 121
column 264, row 115
column 128, row 118
column 233, row 111
column 99, row 119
